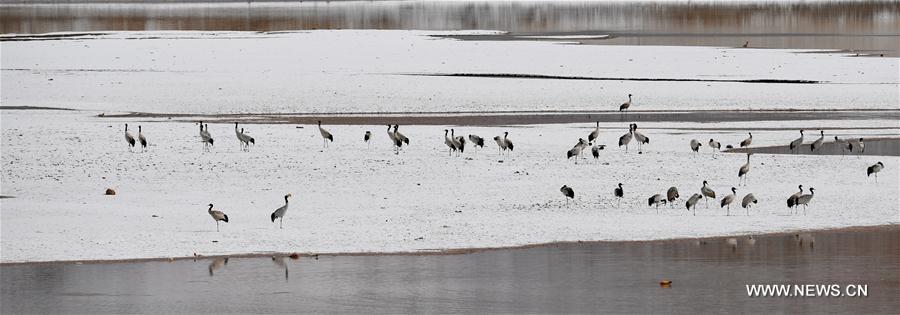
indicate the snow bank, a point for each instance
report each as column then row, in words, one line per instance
column 361, row 71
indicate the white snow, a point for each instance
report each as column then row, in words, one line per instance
column 352, row 199
column 347, row 198
column 361, row 71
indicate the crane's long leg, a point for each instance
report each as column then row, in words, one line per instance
column 217, row 225
column 280, row 222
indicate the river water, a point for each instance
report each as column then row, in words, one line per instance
column 708, row 276
column 870, row 27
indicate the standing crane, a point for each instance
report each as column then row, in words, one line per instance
column 817, row 145
column 805, row 199
column 619, row 193
column 205, row 136
column 326, row 136
column 792, row 200
column 874, row 169
column 742, row 172
column 142, row 139
column 594, row 134
column 748, row 141
column 672, row 195
column 692, row 202
column 714, row 145
column 641, row 138
column 458, row 141
column 568, row 192
column 129, row 138
column 626, row 138
column 748, row 201
column 476, row 142
column 728, row 200
column 708, row 193
column 796, row 143
column 217, row 216
column 655, row 200
column 279, row 213
column 695, row 146
column 624, row 107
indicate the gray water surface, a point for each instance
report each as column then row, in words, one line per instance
column 707, row 276
column 868, row 27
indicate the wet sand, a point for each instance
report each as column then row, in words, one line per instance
column 524, row 118
column 611, row 277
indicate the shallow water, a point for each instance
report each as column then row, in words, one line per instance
column 866, row 26
column 568, row 278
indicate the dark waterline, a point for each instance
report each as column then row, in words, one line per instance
column 865, row 26
column 565, row 278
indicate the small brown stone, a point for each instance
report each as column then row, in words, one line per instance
column 295, row 256
column 110, row 192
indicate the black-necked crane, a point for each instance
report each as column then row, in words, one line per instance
column 568, row 192
column 797, row 142
column 727, row 200
column 395, row 142
column 279, row 213
column 714, row 145
column 817, row 145
column 672, row 195
column 708, row 193
column 217, row 216
column 742, row 172
column 326, row 136
column 624, row 107
column 695, row 146
column 142, row 139
column 247, row 139
column 691, row 203
column 792, row 200
column 367, row 137
column 748, row 141
column 594, row 134
column 746, row 44
column 859, row 146
column 205, row 136
column 129, row 138
column 626, row 138
column 748, row 201
column 400, row 136
column 243, row 138
column 476, row 142
column 619, row 193
column 641, row 138
column 655, row 200
column 449, row 142
column 842, row 144
column 595, row 150
column 576, row 150
column 874, row 169
column 804, row 199
column 458, row 141
column 503, row 143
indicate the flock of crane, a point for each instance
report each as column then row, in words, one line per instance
column 457, row 144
